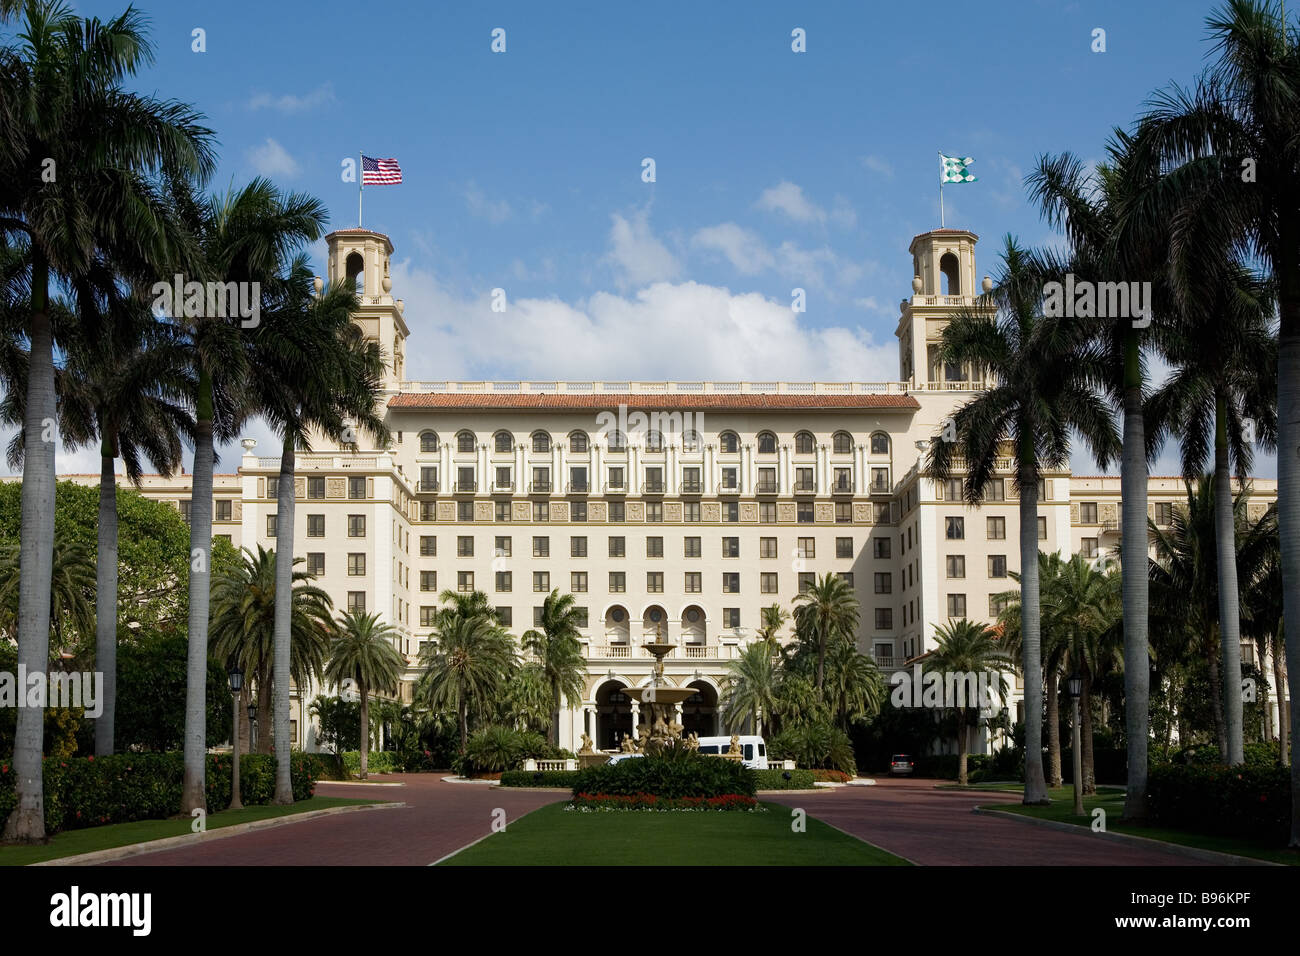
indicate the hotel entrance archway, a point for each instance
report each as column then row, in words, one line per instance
column 613, row 715
column 700, row 710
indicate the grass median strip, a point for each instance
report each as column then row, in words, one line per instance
column 1062, row 811
column 556, row 836
column 75, row 842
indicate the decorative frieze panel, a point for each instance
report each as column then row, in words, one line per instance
column 636, row 511
column 597, row 511
column 786, row 512
column 336, row 487
column 672, row 511
column 560, row 511
column 482, row 511
column 520, row 510
column 862, row 512
column 711, row 512
column 446, row 511
column 824, row 512
column 749, row 512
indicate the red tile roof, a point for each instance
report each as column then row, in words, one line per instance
column 679, row 401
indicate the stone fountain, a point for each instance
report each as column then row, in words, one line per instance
column 660, row 731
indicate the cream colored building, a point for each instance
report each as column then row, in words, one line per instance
column 686, row 527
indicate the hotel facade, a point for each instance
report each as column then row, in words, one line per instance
column 715, row 501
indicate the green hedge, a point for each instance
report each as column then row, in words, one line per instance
column 776, row 779
column 561, row 779
column 684, row 775
column 379, row 761
column 91, row 791
column 1249, row 801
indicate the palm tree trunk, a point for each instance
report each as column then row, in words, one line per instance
column 1134, row 583
column 1225, row 535
column 1279, row 682
column 1030, row 623
column 283, row 621
column 1085, row 732
column 265, row 742
column 1053, row 723
column 365, row 730
column 962, row 744
column 193, row 795
column 26, row 824
column 106, row 597
column 1216, row 701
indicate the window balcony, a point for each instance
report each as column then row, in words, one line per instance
column 766, row 487
column 426, row 487
column 579, row 488
column 653, row 488
column 842, row 488
column 692, row 487
column 465, row 487
column 540, row 488
column 503, row 487
column 805, row 487
column 879, row 488
column 616, row 487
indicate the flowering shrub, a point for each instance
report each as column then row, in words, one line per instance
column 588, row 802
column 684, row 775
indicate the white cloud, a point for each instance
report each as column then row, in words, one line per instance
column 788, row 198
column 494, row 211
column 843, row 214
column 636, row 255
column 292, row 103
column 743, row 248
column 272, row 159
column 879, row 166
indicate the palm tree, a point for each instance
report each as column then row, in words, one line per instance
column 750, row 688
column 1044, row 370
column 774, row 617
column 968, row 647
column 1223, row 348
column 558, row 651
column 856, row 689
column 243, row 625
column 1262, row 613
column 825, row 609
column 316, row 373
column 72, row 582
column 363, row 651
column 1108, row 246
column 1233, row 144
column 469, row 661
column 65, row 110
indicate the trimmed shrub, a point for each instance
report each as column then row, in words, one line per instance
column 684, row 775
column 560, row 779
column 90, row 791
column 818, row 745
column 378, row 761
column 1250, row 802
column 786, row 779
column 599, row 802
column 831, row 776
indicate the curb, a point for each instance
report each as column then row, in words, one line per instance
column 1146, row 843
column 189, row 839
column 361, row 783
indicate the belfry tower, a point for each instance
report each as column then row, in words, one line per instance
column 364, row 257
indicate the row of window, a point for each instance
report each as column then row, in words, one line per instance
column 692, row 547
column 995, row 528
column 692, row 512
column 503, row 442
column 505, row 617
column 805, row 480
column 357, row 487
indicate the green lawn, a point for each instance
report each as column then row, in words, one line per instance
column 554, row 836
column 74, row 842
column 1112, row 801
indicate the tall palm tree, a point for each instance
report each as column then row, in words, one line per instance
column 315, row 373
column 773, row 617
column 1044, row 371
column 855, row 686
column 1262, row 614
column 749, row 690
column 1108, row 247
column 244, row 236
column 1233, row 144
column 825, row 609
column 1225, row 357
column 72, row 584
column 363, row 651
column 243, row 625
column 969, row 647
column 65, row 110
column 469, row 661
column 559, row 653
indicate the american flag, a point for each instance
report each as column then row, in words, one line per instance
column 380, row 172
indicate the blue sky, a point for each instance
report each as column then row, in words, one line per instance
column 774, row 169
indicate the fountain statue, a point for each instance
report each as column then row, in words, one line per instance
column 660, row 731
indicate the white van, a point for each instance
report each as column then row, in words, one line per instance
column 753, row 750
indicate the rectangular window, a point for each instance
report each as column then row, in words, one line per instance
column 767, row 547
column 578, row 582
column 1089, row 547
column 273, row 488
column 998, row 604
column 542, row 581
column 315, row 526
column 428, row 546
column 580, row 615
column 578, row 480
column 541, row 546
column 654, row 582
column 731, row 617
column 617, row 512
column 428, row 616
column 884, row 618
column 504, row 581
column 618, row 547
column 501, row 510
column 730, row 582
column 272, row 526
column 503, row 546
column 654, row 547
column 503, row 482
column 316, row 563
column 843, row 480
column 880, row 547
column 846, row 577
column 541, row 511
column 1164, row 513
column 844, row 512
column 694, row 582
column 692, row 547
column 356, row 526
column 464, row 581
column 357, row 486
column 578, row 546
column 731, row 511
column 997, row 529
column 729, row 479
column 617, row 581
column 731, row 547
column 541, row 481
column 767, row 512
column 464, row 511
column 803, row 480
column 997, row 565
column 884, row 582
column 465, row 546
column 505, row 615
column 654, row 512
column 952, row 490
column 577, row 511
column 955, row 529
column 995, row 490
column 691, row 511
column 1042, row 528
column 428, row 580
column 357, row 601
column 767, row 582
column 806, row 580
column 654, row 481
column 356, row 564
column 691, row 481
column 315, row 487
column 428, row 479
column 807, row 548
column 804, row 513
column 956, row 605
column 616, row 478
column 224, row 509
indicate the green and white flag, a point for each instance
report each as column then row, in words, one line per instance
column 955, row 169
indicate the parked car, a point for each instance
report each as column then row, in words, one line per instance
column 753, row 750
column 901, row 765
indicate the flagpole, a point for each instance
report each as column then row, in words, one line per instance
column 361, row 180
column 940, row 189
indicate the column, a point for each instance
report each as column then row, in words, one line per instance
column 671, row 468
column 521, row 468
column 784, row 471
column 636, row 718
column 823, row 465
column 563, row 473
column 446, row 476
column 633, row 480
column 859, row 472
column 597, row 480
column 484, row 467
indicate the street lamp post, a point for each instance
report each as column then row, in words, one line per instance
column 1075, row 686
column 252, row 725
column 236, row 677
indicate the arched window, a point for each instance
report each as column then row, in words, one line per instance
column 617, row 441
column 578, row 442
column 428, row 443
column 766, row 443
column 541, row 442
column 729, row 443
column 504, row 442
column 355, row 267
column 880, row 444
column 654, row 441
column 465, row 441
column 951, row 274
column 843, row 443
column 690, row 441
column 804, row 443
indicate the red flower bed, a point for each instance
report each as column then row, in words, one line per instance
column 648, row 801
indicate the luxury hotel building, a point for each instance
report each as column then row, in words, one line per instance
column 729, row 499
